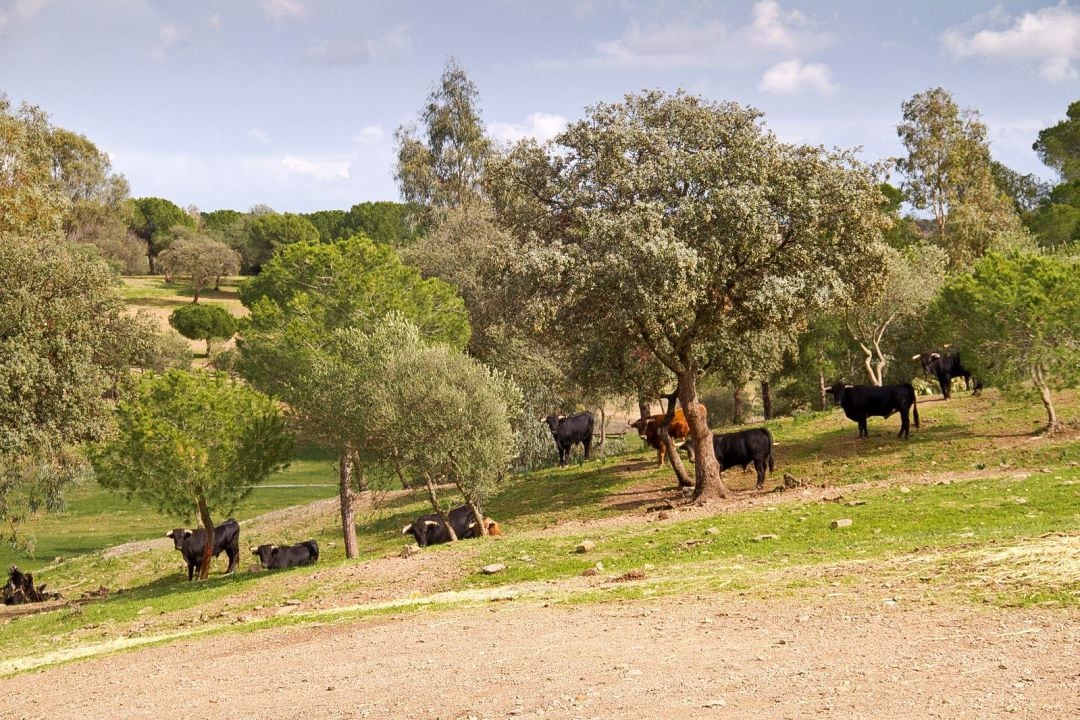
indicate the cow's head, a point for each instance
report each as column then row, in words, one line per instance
column 492, row 527
column 553, row 421
column 264, row 552
column 641, row 424
column 178, row 536
column 928, row 360
column 837, row 391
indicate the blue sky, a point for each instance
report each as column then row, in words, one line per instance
column 294, row 103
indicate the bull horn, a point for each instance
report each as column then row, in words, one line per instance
column 935, row 355
column 947, row 345
column 253, row 550
column 472, row 525
column 562, row 417
column 916, row 357
column 848, row 386
column 168, row 534
column 405, row 530
column 430, row 523
column 188, row 533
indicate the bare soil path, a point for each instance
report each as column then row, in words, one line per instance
column 851, row 654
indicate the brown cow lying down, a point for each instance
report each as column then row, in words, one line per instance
column 649, row 430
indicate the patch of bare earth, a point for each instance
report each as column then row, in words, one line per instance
column 852, row 655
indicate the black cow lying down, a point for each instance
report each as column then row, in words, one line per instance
column 429, row 529
column 191, row 543
column 861, row 401
column 276, row 557
column 745, row 447
column 568, row 431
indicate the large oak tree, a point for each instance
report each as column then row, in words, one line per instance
column 682, row 223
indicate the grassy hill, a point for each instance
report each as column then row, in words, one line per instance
column 974, row 505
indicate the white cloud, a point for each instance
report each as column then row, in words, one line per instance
column 792, row 76
column 389, row 44
column 318, row 167
column 696, row 44
column 281, row 10
column 20, row 13
column 168, row 38
column 540, row 126
column 369, row 134
column 215, row 21
column 259, row 136
column 1049, row 37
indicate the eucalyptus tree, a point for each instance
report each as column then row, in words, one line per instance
column 30, row 199
column 683, row 224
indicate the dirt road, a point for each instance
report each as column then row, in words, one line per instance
column 854, row 654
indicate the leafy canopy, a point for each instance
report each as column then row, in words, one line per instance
column 192, row 437
column 203, row 322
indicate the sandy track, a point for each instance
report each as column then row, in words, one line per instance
column 845, row 656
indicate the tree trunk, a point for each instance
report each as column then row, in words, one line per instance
column 358, row 474
column 738, row 410
column 766, row 399
column 475, row 509
column 822, row 391
column 707, row 482
column 207, row 347
column 195, row 299
column 150, row 260
column 674, row 458
column 208, row 548
column 1053, row 425
column 875, row 379
column 644, row 409
column 430, row 484
column 348, row 522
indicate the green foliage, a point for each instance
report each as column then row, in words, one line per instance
column 443, row 168
column 199, row 258
column 203, row 322
column 31, row 202
column 269, row 232
column 187, row 437
column 330, row 224
column 384, row 222
column 1059, row 146
column 1017, row 317
column 152, row 220
column 948, row 171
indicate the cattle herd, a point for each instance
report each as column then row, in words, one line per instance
column 735, row 449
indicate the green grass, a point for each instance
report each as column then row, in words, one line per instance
column 909, row 527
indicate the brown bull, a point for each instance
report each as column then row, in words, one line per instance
column 649, row 430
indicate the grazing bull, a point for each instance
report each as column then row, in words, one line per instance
column 745, row 447
column 569, row 431
column 649, row 430
column 191, row 544
column 276, row 557
column 945, row 368
column 861, row 401
column 429, row 529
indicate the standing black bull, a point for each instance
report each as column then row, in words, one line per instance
column 570, row 430
column 861, row 401
column 745, row 447
column 945, row 368
column 429, row 529
column 192, row 544
column 276, row 557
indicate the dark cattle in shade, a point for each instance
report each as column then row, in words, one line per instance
column 862, row 401
column 649, row 430
column 190, row 543
column 945, row 368
column 276, row 557
column 569, row 431
column 744, row 447
column 429, row 529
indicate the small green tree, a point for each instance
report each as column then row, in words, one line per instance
column 1017, row 317
column 203, row 322
column 193, row 441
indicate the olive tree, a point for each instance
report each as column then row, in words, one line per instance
column 1017, row 316
column 193, row 441
column 685, row 224
column 199, row 258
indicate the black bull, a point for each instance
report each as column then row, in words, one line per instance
column 191, row 543
column 945, row 368
column 862, row 401
column 276, row 557
column 429, row 529
column 744, row 447
column 569, row 431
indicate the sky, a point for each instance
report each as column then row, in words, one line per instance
column 294, row 103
